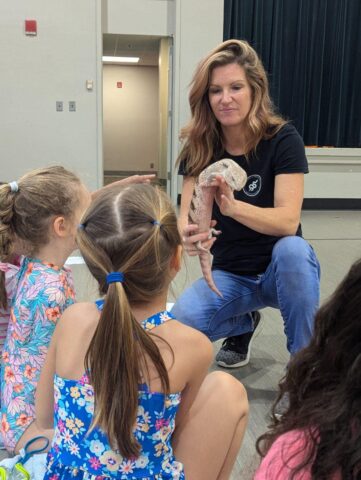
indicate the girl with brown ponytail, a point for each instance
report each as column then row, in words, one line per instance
column 132, row 394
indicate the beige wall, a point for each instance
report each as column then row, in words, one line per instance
column 131, row 118
column 38, row 71
column 139, row 17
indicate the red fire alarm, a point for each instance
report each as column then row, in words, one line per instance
column 30, row 27
column 119, row 84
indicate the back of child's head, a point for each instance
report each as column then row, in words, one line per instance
column 132, row 230
column 28, row 206
column 323, row 382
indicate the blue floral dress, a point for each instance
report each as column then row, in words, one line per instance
column 42, row 293
column 75, row 453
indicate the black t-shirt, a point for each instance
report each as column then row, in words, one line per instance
column 239, row 249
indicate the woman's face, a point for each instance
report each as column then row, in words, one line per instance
column 230, row 95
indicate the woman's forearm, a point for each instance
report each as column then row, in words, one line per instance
column 277, row 221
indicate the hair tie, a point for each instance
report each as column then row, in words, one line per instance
column 114, row 277
column 14, row 187
column 156, row 222
column 81, row 226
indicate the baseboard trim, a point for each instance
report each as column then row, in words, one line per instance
column 323, row 203
column 331, row 204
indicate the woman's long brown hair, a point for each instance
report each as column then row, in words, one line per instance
column 132, row 230
column 202, row 136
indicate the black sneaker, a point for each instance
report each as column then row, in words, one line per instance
column 235, row 351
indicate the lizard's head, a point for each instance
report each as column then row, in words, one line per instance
column 233, row 174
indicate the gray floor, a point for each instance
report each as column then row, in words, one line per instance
column 336, row 238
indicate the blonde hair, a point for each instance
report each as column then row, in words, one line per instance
column 133, row 230
column 26, row 214
column 202, row 136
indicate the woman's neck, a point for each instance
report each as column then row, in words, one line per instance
column 234, row 140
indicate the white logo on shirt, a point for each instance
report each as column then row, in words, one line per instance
column 253, row 185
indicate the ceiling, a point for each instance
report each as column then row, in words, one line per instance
column 146, row 47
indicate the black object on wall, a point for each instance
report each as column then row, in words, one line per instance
column 311, row 50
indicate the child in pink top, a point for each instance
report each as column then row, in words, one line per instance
column 288, row 452
column 10, row 270
column 319, row 436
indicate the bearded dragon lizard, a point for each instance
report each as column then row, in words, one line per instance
column 201, row 206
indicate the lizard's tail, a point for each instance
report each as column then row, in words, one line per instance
column 205, row 261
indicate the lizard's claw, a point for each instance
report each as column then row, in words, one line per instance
column 200, row 247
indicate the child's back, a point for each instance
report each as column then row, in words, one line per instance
column 75, row 449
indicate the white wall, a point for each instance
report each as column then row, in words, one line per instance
column 197, row 27
column 334, row 173
column 38, row 71
column 139, row 17
column 131, row 118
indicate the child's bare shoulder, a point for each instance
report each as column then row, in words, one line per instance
column 78, row 317
column 189, row 338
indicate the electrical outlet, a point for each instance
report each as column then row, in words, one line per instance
column 59, row 106
column 72, row 106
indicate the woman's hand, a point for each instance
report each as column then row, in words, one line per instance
column 224, row 196
column 191, row 237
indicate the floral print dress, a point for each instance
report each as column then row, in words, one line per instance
column 80, row 455
column 43, row 292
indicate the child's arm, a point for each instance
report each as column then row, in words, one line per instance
column 44, row 397
column 126, row 181
column 199, row 354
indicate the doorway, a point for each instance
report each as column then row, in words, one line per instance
column 137, row 93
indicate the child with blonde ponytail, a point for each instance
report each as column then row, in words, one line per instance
column 132, row 394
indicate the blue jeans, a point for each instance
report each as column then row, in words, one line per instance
column 291, row 283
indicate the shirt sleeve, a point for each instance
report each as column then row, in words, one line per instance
column 285, row 454
column 11, row 270
column 289, row 155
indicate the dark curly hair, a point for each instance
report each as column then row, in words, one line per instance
column 323, row 382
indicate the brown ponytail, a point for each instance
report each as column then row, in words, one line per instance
column 119, row 234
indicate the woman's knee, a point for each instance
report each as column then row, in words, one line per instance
column 294, row 250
